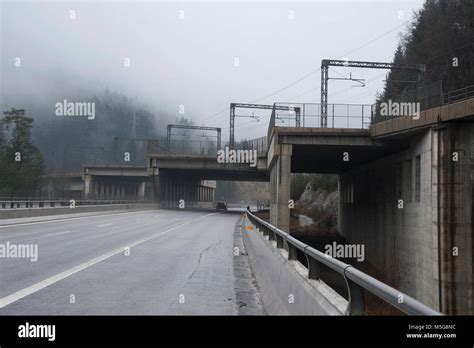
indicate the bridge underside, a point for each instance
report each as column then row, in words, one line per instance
column 116, row 182
column 207, row 168
column 329, row 159
column 191, row 179
column 316, row 150
column 226, row 175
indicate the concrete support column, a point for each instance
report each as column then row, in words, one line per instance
column 88, row 187
column 456, row 198
column 280, row 187
column 174, row 194
column 141, row 191
column 168, row 191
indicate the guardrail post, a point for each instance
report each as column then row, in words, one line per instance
column 314, row 269
column 292, row 252
column 356, row 298
column 271, row 235
column 279, row 240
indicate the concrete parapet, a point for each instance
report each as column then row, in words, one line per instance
column 284, row 287
column 31, row 212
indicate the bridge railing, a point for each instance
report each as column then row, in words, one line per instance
column 423, row 98
column 338, row 115
column 356, row 281
column 259, row 144
column 458, row 95
column 191, row 147
column 45, row 203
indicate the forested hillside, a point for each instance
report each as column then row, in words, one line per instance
column 442, row 37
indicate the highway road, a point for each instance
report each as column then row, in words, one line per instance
column 139, row 262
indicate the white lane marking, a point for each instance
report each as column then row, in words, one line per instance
column 33, row 236
column 103, row 225
column 45, row 236
column 73, row 218
column 54, row 234
column 9, row 299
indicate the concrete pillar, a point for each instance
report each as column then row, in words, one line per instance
column 141, row 191
column 280, row 187
column 167, row 196
column 456, row 199
column 174, row 194
column 88, row 187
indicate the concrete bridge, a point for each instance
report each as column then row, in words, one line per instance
column 405, row 191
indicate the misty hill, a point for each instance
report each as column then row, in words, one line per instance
column 442, row 37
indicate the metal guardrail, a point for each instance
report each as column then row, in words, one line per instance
column 339, row 115
column 357, row 282
column 16, row 204
column 259, row 144
column 458, row 95
column 189, row 147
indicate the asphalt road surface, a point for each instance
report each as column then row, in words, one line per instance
column 141, row 262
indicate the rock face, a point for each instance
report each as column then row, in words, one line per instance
column 321, row 206
column 318, row 199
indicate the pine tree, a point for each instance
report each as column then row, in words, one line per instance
column 442, row 37
column 21, row 161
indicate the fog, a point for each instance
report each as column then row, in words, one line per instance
column 202, row 55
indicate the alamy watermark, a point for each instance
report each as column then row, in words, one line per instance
column 237, row 156
column 21, row 251
column 392, row 108
column 66, row 108
column 347, row 251
column 28, row 330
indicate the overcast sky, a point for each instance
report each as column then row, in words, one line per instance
column 185, row 53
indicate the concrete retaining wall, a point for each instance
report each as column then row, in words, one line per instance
column 411, row 248
column 284, row 287
column 400, row 243
column 31, row 212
